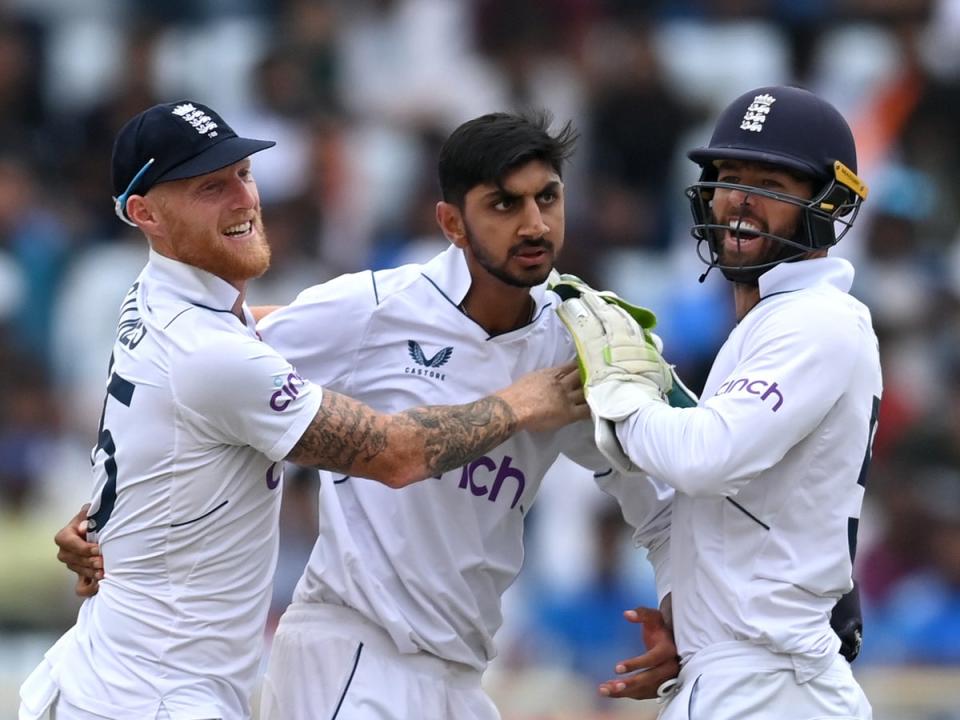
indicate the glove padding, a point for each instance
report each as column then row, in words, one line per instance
column 569, row 286
column 620, row 365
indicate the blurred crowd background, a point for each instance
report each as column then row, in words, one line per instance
column 359, row 95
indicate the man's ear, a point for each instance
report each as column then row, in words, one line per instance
column 142, row 212
column 450, row 220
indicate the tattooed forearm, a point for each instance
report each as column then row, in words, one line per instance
column 349, row 437
column 342, row 431
column 453, row 435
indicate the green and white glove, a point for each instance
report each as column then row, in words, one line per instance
column 620, row 365
column 619, row 358
column 569, row 286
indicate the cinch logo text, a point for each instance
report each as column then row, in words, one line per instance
column 288, row 392
column 754, row 387
column 476, row 477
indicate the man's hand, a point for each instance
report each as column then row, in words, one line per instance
column 846, row 619
column 642, row 675
column 80, row 556
column 547, row 399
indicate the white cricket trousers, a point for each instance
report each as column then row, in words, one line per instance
column 741, row 681
column 60, row 709
column 40, row 699
column 330, row 663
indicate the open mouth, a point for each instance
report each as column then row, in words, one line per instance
column 240, row 230
column 742, row 232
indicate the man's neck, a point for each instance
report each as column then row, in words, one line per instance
column 237, row 309
column 745, row 297
column 498, row 309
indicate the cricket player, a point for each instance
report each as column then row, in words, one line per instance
column 395, row 614
column 198, row 418
column 770, row 468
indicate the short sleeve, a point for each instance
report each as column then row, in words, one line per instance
column 238, row 390
column 321, row 331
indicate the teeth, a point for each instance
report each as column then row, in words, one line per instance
column 743, row 226
column 240, row 229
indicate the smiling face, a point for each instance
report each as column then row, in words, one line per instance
column 513, row 232
column 212, row 222
column 744, row 214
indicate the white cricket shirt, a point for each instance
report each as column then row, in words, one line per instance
column 429, row 563
column 769, row 469
column 198, row 417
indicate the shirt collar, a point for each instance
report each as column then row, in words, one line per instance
column 449, row 272
column 180, row 281
column 789, row 276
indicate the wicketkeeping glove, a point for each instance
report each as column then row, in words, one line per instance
column 569, row 286
column 620, row 366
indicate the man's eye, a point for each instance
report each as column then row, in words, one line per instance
column 548, row 197
column 504, row 204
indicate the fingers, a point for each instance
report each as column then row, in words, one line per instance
column 648, row 671
column 642, row 685
column 86, row 587
column 657, row 638
column 569, row 372
column 645, row 615
column 75, row 552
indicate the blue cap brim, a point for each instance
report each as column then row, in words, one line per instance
column 705, row 155
column 215, row 157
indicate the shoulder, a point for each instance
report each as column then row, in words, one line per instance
column 819, row 319
column 221, row 367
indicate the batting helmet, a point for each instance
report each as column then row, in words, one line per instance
column 791, row 128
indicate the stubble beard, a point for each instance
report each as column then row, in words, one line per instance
column 744, row 270
column 499, row 271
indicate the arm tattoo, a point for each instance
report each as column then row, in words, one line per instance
column 341, row 432
column 346, row 435
column 454, row 435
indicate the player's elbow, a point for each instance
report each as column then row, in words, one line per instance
column 398, row 470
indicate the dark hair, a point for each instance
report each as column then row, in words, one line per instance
column 486, row 148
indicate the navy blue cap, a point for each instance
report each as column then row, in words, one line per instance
column 782, row 125
column 173, row 141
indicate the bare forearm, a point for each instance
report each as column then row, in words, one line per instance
column 454, row 435
column 347, row 436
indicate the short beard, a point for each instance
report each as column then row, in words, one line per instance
column 488, row 263
column 217, row 257
column 750, row 274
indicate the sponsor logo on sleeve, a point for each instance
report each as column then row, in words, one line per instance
column 768, row 392
column 288, row 390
